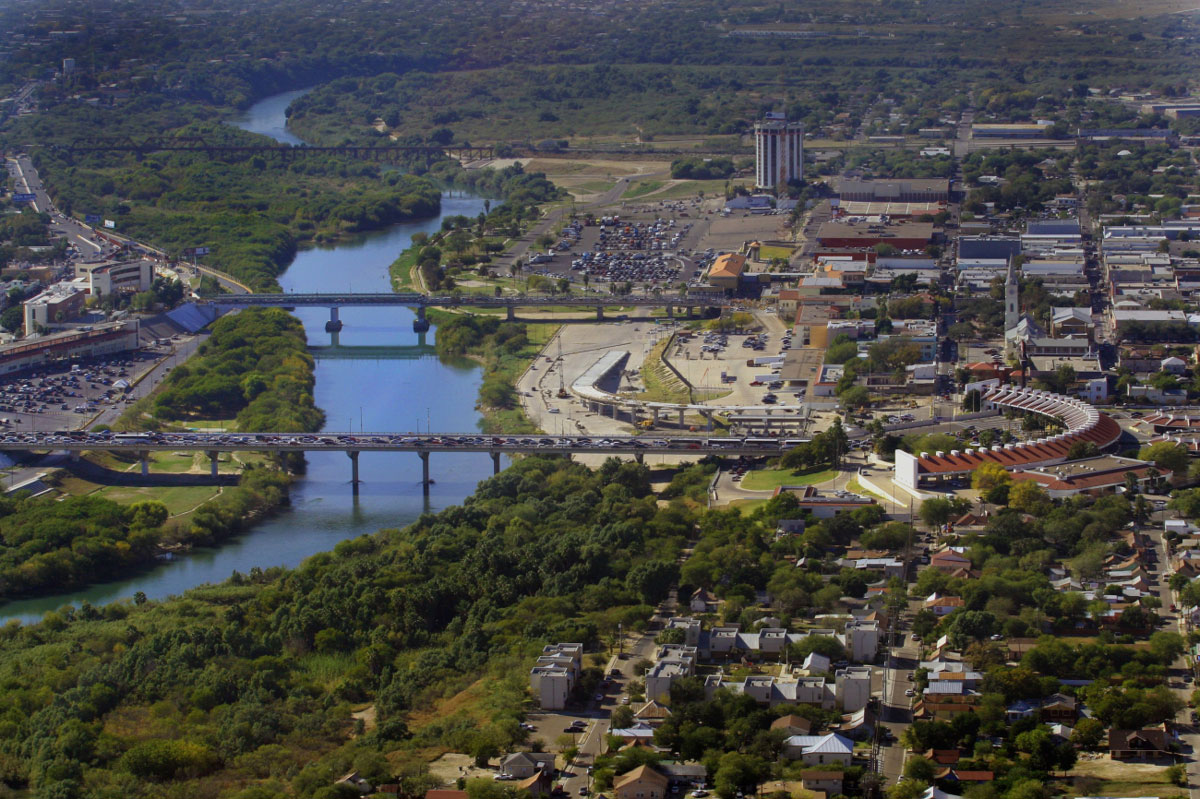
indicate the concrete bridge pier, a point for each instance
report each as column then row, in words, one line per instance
column 681, row 420
column 420, row 324
column 144, row 457
column 640, row 457
column 690, row 312
column 654, row 416
column 353, row 455
column 599, row 313
column 670, row 312
column 424, row 471
column 212, row 463
column 495, row 463
column 708, row 416
column 334, row 324
column 510, row 313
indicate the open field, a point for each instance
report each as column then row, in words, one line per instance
column 1105, row 777
column 767, row 479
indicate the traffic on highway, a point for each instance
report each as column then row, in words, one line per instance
column 404, row 442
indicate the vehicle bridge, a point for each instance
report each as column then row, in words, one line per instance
column 354, row 444
column 689, row 303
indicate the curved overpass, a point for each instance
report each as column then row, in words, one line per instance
column 1083, row 422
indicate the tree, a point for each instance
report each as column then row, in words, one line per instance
column 13, row 319
column 1167, row 456
column 739, row 773
column 937, row 512
column 1029, row 497
column 855, row 397
column 988, row 476
column 1088, row 734
column 919, row 768
column 1082, row 449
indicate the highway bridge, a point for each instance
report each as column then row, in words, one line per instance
column 509, row 302
column 354, row 444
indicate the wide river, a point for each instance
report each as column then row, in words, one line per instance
column 398, row 385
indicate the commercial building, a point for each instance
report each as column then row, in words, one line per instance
column 923, row 190
column 779, row 152
column 1099, row 475
column 113, row 277
column 906, row 236
column 1036, row 130
column 726, row 271
column 99, row 340
column 59, row 303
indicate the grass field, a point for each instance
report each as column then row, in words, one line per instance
column 767, row 479
column 640, row 188
column 1105, row 777
column 747, row 506
column 768, row 253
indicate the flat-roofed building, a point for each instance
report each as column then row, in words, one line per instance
column 1099, row 475
column 915, row 190
column 905, row 236
column 57, row 304
column 114, row 277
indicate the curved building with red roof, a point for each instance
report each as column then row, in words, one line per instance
column 1083, row 423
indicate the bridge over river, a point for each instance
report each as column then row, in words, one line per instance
column 354, row 444
column 689, row 303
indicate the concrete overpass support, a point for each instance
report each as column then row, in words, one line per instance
column 424, row 471
column 639, row 457
column 353, row 455
column 213, row 463
column 335, row 323
column 144, row 457
column 495, row 463
column 599, row 313
column 670, row 311
column 681, row 420
column 654, row 416
column 708, row 416
column 510, row 313
column 690, row 312
column 420, row 324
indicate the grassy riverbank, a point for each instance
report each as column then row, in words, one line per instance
column 253, row 211
column 505, row 350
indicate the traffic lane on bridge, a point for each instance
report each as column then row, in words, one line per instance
column 55, row 441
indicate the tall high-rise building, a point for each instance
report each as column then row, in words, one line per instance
column 68, row 67
column 779, row 152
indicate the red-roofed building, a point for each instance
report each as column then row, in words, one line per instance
column 1084, row 423
column 1099, row 475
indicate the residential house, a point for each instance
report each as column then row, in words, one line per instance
column 702, row 601
column 522, row 765
column 819, row 780
column 540, row 784
column 639, row 733
column 792, row 725
column 858, row 726
column 652, row 713
column 644, row 782
column 960, row 776
column 942, row 605
column 441, row 793
column 943, row 757
column 819, row 750
column 1147, row 744
column 949, row 561
column 1060, row 709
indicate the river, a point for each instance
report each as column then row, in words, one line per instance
column 398, row 386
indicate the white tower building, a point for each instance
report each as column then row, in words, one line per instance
column 1012, row 307
column 779, row 152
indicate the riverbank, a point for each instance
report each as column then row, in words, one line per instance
column 505, row 350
